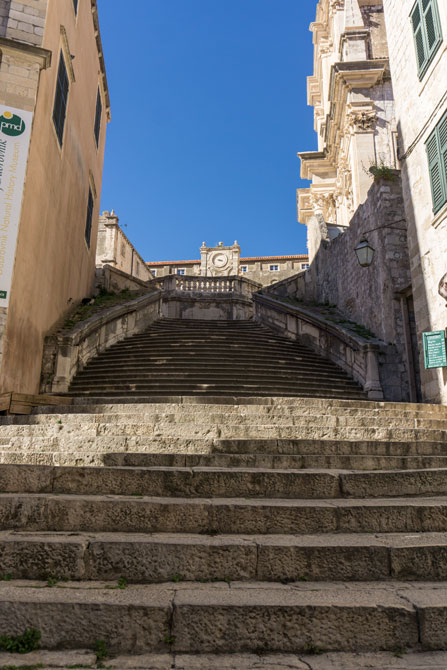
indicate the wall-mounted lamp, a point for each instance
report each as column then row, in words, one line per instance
column 365, row 253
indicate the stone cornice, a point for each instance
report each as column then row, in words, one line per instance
column 344, row 78
column 102, row 65
column 35, row 54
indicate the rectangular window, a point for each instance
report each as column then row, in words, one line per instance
column 304, row 266
column 180, row 272
column 274, row 268
column 427, row 32
column 60, row 99
column 244, row 268
column 88, row 223
column 98, row 117
column 75, row 5
column 436, row 146
column 154, row 272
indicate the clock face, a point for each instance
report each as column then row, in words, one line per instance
column 220, row 260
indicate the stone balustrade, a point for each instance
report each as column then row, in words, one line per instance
column 208, row 298
column 355, row 355
column 209, row 285
column 66, row 353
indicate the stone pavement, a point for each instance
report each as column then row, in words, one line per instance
column 340, row 661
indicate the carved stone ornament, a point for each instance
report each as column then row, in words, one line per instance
column 324, row 203
column 442, row 288
column 326, row 46
column 362, row 120
column 335, row 6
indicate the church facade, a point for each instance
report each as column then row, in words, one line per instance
column 379, row 175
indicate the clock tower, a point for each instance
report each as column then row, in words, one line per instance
column 219, row 261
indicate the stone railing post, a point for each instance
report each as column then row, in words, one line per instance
column 373, row 386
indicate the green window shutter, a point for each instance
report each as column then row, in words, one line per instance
column 419, row 40
column 437, row 163
column 442, row 135
column 427, row 32
column 432, row 25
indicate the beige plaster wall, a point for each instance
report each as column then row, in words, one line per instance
column 420, row 105
column 54, row 268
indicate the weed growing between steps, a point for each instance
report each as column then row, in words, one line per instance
column 101, row 650
column 21, row 644
column 21, row 667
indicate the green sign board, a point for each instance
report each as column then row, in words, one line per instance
column 435, row 355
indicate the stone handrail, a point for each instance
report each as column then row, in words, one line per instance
column 67, row 352
column 209, row 285
column 355, row 355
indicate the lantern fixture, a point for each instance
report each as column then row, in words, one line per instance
column 365, row 253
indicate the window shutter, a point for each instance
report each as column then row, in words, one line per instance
column 427, row 32
column 435, row 169
column 416, row 19
column 442, row 134
column 432, row 25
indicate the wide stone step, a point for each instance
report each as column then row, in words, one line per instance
column 214, row 416
column 210, row 389
column 289, row 406
column 222, row 482
column 280, row 461
column 318, row 660
column 222, row 618
column 164, row 557
column 138, row 434
column 195, row 376
column 227, row 516
column 136, row 364
column 168, row 380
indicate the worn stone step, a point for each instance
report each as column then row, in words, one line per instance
column 240, row 435
column 173, row 429
column 223, row 482
column 194, row 373
column 191, row 379
column 155, row 558
column 397, row 660
column 210, row 362
column 279, row 461
column 139, row 514
column 214, row 415
column 283, row 406
column 221, row 618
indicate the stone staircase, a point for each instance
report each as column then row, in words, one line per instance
column 232, row 358
column 215, row 525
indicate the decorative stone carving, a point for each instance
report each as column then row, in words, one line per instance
column 324, row 203
column 220, row 261
column 361, row 120
column 335, row 6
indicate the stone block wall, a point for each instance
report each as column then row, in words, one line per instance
column 370, row 296
column 23, row 20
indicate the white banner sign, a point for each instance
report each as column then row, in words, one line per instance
column 15, row 133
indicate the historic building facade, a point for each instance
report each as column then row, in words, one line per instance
column 417, row 37
column 115, row 249
column 54, row 108
column 226, row 261
column 380, row 172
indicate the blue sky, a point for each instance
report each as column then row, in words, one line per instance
column 208, row 112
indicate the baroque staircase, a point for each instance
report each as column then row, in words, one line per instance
column 237, row 358
column 238, row 530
